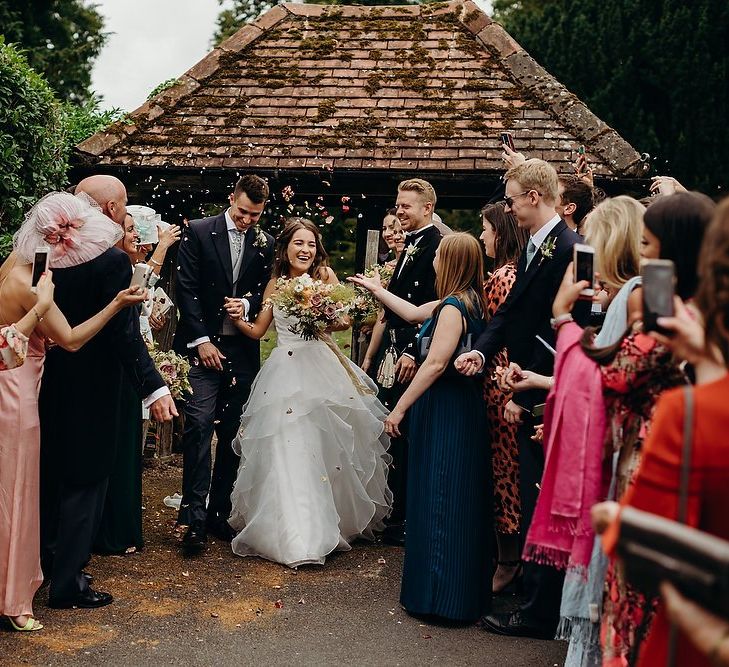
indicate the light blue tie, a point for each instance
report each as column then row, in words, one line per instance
column 530, row 252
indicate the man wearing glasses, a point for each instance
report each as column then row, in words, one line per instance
column 531, row 195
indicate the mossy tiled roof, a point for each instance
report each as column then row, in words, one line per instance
column 426, row 88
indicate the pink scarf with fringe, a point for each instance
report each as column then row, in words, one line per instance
column 574, row 432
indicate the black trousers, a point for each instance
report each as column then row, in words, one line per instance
column 542, row 584
column 215, row 405
column 69, row 523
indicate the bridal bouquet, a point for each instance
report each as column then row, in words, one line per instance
column 173, row 368
column 316, row 305
column 365, row 306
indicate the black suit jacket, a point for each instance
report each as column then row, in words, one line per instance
column 80, row 392
column 415, row 284
column 205, row 278
column 528, row 309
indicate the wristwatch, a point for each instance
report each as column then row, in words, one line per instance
column 557, row 322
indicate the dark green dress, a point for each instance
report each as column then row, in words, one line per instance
column 121, row 522
column 448, row 544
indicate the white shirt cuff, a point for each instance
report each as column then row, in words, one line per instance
column 198, row 341
column 409, row 356
column 246, row 308
column 483, row 359
column 155, row 395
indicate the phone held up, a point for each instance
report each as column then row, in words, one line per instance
column 583, row 263
column 40, row 266
column 140, row 275
column 658, row 290
column 507, row 138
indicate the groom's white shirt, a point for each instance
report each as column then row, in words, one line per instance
column 230, row 226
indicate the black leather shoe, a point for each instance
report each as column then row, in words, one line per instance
column 195, row 538
column 221, row 531
column 513, row 625
column 394, row 535
column 89, row 599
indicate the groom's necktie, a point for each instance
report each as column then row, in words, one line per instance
column 531, row 250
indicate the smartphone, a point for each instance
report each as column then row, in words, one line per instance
column 508, row 139
column 538, row 410
column 40, row 265
column 583, row 262
column 140, row 275
column 658, row 289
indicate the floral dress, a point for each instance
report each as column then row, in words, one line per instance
column 505, row 452
column 640, row 372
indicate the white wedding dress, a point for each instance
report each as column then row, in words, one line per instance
column 313, row 470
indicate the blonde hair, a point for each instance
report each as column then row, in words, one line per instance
column 536, row 175
column 614, row 228
column 423, row 188
column 460, row 271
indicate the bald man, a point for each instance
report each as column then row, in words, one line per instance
column 109, row 193
column 80, row 409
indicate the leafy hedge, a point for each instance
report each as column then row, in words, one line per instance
column 33, row 146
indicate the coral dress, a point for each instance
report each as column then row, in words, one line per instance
column 20, row 571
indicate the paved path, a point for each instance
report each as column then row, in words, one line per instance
column 218, row 609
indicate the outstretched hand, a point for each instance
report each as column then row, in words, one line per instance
column 370, row 284
column 469, row 363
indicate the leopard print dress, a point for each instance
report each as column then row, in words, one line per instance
column 505, row 452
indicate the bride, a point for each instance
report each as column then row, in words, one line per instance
column 313, row 469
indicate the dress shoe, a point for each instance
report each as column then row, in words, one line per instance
column 89, row 599
column 195, row 538
column 394, row 535
column 222, row 531
column 513, row 625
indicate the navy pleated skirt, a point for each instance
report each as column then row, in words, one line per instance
column 449, row 540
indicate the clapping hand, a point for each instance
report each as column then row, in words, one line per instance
column 469, row 363
column 169, row 236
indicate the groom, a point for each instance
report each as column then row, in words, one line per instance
column 224, row 265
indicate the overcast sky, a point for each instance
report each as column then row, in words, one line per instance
column 152, row 41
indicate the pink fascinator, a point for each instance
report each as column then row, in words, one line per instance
column 73, row 226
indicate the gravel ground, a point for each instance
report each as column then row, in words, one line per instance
column 218, row 609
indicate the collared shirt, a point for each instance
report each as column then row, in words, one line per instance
column 230, row 226
column 539, row 237
column 419, row 233
column 420, row 230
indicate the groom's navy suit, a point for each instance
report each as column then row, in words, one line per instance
column 522, row 317
column 204, row 279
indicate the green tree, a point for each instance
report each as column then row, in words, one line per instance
column 656, row 70
column 243, row 11
column 61, row 39
column 33, row 145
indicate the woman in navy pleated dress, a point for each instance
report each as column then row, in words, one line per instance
column 448, row 545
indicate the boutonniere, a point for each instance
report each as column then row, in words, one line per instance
column 548, row 247
column 260, row 240
column 411, row 251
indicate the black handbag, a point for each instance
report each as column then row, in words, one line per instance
column 655, row 549
column 465, row 345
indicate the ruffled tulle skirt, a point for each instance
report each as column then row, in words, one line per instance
column 313, row 469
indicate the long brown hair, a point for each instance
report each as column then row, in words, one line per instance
column 460, row 271
column 280, row 251
column 510, row 238
column 712, row 296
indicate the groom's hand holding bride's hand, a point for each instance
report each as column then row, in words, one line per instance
column 234, row 308
column 210, row 356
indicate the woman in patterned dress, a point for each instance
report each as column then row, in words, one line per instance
column 503, row 241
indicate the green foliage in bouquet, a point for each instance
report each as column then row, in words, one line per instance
column 365, row 306
column 173, row 368
column 316, row 305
